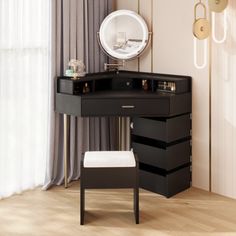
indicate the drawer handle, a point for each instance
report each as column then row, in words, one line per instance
column 128, row 107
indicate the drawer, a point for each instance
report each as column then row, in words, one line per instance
column 68, row 104
column 125, row 107
column 166, row 130
column 167, row 159
column 167, row 185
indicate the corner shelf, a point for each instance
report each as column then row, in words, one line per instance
column 125, row 81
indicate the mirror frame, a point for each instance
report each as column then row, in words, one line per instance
column 108, row 50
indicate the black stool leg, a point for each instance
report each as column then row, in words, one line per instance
column 82, row 203
column 136, row 204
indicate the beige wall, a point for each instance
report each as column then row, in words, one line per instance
column 224, row 108
column 172, row 52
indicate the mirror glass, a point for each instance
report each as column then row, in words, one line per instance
column 124, row 35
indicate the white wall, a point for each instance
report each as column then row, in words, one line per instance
column 224, row 109
column 173, row 54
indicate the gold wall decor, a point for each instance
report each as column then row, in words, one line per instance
column 201, row 25
column 202, row 29
column 217, row 5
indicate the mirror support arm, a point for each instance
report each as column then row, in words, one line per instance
column 114, row 66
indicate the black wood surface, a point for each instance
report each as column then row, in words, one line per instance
column 165, row 129
column 68, row 104
column 115, row 177
column 161, row 117
column 167, row 159
column 164, row 150
column 167, row 185
column 125, row 107
column 122, row 94
column 118, row 80
column 95, row 178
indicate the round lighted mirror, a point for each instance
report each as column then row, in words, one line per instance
column 123, row 35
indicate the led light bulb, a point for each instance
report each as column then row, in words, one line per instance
column 214, row 28
column 195, row 52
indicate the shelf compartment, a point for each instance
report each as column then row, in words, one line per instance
column 122, row 84
column 73, row 87
column 103, row 84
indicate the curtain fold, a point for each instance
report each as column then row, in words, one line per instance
column 25, row 95
column 75, row 24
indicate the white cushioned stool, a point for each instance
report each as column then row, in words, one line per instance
column 109, row 169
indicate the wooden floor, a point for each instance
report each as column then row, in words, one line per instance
column 109, row 212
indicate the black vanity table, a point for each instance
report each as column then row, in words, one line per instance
column 160, row 109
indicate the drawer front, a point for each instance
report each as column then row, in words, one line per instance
column 125, row 107
column 166, row 130
column 168, row 185
column 68, row 104
column 167, row 159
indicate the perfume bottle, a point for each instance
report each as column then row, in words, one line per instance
column 173, row 87
column 86, row 88
column 145, row 85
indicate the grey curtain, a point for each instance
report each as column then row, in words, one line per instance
column 75, row 24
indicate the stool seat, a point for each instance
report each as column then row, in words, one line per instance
column 108, row 159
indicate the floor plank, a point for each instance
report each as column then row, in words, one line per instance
column 109, row 212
